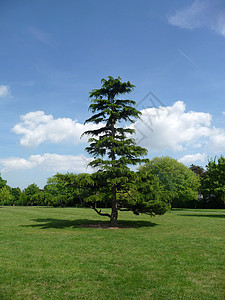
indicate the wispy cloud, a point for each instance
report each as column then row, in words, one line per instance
column 190, row 17
column 187, row 57
column 220, row 24
column 4, row 91
column 40, row 35
column 201, row 13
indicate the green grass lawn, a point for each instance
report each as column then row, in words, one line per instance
column 48, row 253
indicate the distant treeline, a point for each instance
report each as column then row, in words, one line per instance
column 162, row 179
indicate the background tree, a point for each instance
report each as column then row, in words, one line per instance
column 197, row 170
column 213, row 184
column 2, row 182
column 23, row 199
column 28, row 192
column 8, row 195
column 66, row 189
column 152, row 191
column 5, row 195
column 178, row 184
column 16, row 192
column 42, row 198
column 57, row 186
column 112, row 149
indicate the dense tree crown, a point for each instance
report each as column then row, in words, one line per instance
column 172, row 180
column 112, row 149
column 213, row 183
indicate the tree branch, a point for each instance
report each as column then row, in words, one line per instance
column 99, row 211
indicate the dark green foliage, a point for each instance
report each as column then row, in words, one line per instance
column 197, row 170
column 42, row 198
column 2, row 182
column 16, row 192
column 25, row 197
column 152, row 193
column 60, row 186
column 8, row 195
column 213, row 184
column 114, row 149
column 69, row 189
column 31, row 190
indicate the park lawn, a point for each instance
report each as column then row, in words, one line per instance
column 51, row 253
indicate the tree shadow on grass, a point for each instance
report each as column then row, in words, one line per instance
column 205, row 215
column 85, row 223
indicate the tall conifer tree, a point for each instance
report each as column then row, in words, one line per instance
column 112, row 146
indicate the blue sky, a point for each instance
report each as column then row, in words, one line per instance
column 53, row 53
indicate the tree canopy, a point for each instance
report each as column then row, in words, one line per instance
column 2, row 182
column 4, row 195
column 175, row 182
column 213, row 183
column 69, row 189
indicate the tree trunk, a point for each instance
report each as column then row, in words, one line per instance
column 114, row 211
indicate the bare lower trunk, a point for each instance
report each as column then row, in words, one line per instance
column 114, row 212
column 113, row 218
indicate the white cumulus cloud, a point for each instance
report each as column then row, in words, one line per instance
column 159, row 129
column 200, row 13
column 192, row 158
column 48, row 162
column 217, row 140
column 171, row 128
column 37, row 127
column 4, row 91
column 16, row 163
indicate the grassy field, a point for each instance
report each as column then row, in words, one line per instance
column 51, row 253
